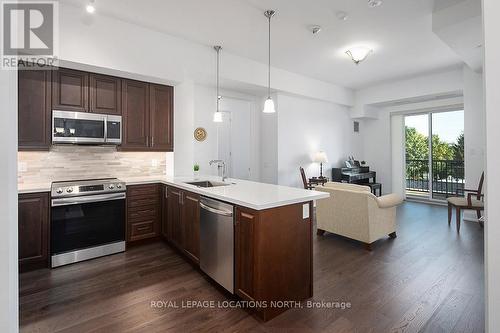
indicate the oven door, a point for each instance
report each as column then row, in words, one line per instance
column 85, row 222
column 78, row 127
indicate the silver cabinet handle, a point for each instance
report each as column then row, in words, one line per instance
column 216, row 211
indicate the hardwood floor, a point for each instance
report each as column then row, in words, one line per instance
column 428, row 279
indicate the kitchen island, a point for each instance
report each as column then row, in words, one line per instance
column 272, row 248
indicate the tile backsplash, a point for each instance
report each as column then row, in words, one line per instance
column 81, row 162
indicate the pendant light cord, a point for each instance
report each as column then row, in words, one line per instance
column 218, row 95
column 269, row 61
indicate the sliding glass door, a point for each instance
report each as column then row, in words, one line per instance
column 434, row 148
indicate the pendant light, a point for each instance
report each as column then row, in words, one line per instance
column 269, row 104
column 217, row 113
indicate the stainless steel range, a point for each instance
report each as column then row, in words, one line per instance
column 87, row 220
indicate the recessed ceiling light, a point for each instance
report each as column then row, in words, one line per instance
column 358, row 53
column 315, row 29
column 90, row 7
column 374, row 3
column 342, row 16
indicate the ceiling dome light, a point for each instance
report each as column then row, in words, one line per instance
column 90, row 7
column 374, row 3
column 359, row 53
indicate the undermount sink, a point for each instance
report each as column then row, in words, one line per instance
column 208, row 183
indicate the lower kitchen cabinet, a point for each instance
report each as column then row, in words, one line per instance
column 273, row 255
column 33, row 229
column 174, row 226
column 143, row 212
column 191, row 224
column 183, row 221
column 245, row 221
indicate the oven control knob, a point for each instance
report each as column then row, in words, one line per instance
column 111, row 186
column 59, row 191
column 118, row 186
column 69, row 190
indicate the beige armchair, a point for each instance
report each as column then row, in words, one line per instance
column 353, row 211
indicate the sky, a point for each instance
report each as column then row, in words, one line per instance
column 448, row 125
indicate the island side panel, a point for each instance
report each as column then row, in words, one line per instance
column 282, row 256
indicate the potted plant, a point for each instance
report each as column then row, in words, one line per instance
column 196, row 170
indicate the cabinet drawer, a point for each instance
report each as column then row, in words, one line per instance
column 143, row 190
column 142, row 201
column 142, row 230
column 143, row 213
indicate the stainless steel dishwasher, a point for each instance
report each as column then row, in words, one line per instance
column 217, row 241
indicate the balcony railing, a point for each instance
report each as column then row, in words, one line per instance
column 447, row 177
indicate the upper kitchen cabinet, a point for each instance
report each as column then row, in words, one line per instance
column 148, row 117
column 105, row 94
column 70, row 90
column 161, row 117
column 34, row 110
column 135, row 109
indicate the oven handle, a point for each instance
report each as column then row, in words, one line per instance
column 88, row 199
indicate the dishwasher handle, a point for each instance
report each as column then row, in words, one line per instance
column 215, row 210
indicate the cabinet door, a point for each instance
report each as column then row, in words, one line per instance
column 161, row 117
column 174, row 216
column 34, row 109
column 191, row 223
column 165, row 230
column 135, row 109
column 70, row 90
column 246, row 220
column 33, row 225
column 105, row 94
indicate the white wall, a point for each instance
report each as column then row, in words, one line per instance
column 491, row 12
column 8, row 202
column 474, row 127
column 269, row 144
column 398, row 155
column 423, row 85
column 204, row 108
column 306, row 126
column 183, row 128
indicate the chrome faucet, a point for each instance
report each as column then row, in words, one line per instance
column 220, row 164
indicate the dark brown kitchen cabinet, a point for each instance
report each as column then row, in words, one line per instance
column 143, row 212
column 183, row 221
column 244, row 252
column 33, row 229
column 34, row 109
column 135, row 110
column 165, row 231
column 191, row 224
column 70, row 90
column 105, row 94
column 161, row 117
column 273, row 255
column 174, row 223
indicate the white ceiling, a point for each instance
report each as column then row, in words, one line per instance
column 399, row 31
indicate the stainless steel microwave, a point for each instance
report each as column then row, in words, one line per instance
column 86, row 128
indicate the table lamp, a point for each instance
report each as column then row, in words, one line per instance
column 320, row 157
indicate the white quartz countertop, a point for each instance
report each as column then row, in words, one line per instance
column 245, row 193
